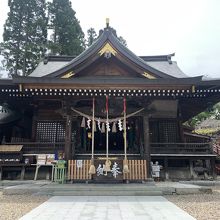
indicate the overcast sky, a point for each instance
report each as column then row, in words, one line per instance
column 190, row 28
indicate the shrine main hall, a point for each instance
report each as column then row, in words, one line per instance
column 109, row 113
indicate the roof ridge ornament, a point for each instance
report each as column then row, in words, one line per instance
column 107, row 22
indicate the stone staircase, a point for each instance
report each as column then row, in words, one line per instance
column 108, row 190
column 131, row 189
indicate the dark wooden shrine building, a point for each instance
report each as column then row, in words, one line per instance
column 50, row 110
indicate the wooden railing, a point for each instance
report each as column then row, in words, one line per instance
column 40, row 147
column 178, row 148
column 48, row 147
column 137, row 170
column 78, row 171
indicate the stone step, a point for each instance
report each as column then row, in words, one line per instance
column 101, row 188
column 105, row 189
column 102, row 193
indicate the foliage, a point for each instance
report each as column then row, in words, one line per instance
column 207, row 131
column 2, row 70
column 91, row 36
column 213, row 112
column 67, row 36
column 25, row 35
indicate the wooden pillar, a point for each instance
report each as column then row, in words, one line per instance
column 34, row 124
column 146, row 142
column 181, row 131
column 212, row 160
column 84, row 140
column 73, row 145
column 68, row 135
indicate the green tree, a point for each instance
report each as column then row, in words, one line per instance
column 91, row 36
column 67, row 36
column 211, row 112
column 25, row 35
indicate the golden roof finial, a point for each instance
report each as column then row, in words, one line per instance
column 107, row 22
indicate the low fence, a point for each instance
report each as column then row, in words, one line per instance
column 137, row 170
column 79, row 170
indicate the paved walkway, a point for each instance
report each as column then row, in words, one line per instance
column 107, row 208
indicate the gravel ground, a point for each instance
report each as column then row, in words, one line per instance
column 14, row 207
column 201, row 206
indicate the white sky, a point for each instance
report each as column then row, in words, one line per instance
column 190, row 28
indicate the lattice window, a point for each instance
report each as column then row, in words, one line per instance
column 168, row 131
column 50, row 131
column 165, row 131
column 60, row 132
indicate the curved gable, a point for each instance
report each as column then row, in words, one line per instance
column 112, row 57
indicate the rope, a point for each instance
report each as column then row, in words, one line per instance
column 93, row 127
column 107, row 128
column 102, row 120
column 92, row 169
column 125, row 131
column 125, row 162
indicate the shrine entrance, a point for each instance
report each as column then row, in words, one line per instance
column 116, row 139
column 111, row 135
column 83, row 127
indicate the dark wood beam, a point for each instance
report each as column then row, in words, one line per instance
column 68, row 134
column 146, row 142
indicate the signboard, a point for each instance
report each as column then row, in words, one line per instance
column 115, row 173
column 43, row 159
column 79, row 164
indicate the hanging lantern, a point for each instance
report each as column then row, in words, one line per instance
column 114, row 128
column 103, row 128
column 83, row 123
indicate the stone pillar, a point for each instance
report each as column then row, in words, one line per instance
column 166, row 173
column 68, row 134
column 146, row 142
column 191, row 169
